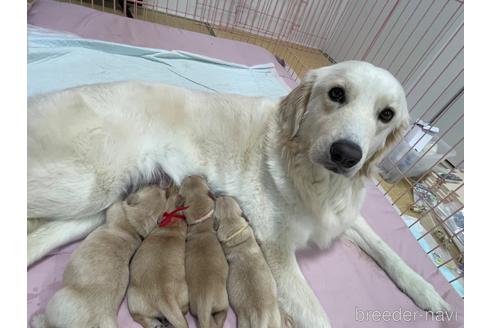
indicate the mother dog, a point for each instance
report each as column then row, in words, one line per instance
column 297, row 167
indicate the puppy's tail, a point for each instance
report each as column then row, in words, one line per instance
column 39, row 321
column 172, row 312
column 204, row 315
column 207, row 317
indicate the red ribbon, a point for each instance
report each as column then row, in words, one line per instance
column 167, row 217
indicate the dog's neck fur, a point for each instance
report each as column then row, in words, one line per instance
column 319, row 190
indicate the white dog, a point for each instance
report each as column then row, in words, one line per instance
column 297, row 167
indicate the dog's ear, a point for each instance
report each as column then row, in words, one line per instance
column 132, row 199
column 391, row 140
column 293, row 106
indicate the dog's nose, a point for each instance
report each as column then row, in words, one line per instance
column 345, row 153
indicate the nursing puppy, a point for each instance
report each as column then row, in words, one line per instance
column 158, row 287
column 206, row 266
column 96, row 278
column 250, row 285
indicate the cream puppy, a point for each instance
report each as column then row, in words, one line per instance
column 250, row 285
column 158, row 287
column 96, row 278
column 206, row 266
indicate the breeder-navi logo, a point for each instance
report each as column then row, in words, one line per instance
column 403, row 315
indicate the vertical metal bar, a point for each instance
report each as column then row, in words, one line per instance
column 284, row 6
column 399, row 33
column 422, row 36
column 216, row 8
column 342, row 26
column 352, row 28
column 307, row 21
column 360, row 30
column 434, row 82
column 336, row 27
column 331, row 13
column 380, row 30
column 373, row 26
column 410, row 35
column 273, row 15
column 424, row 72
column 431, row 46
column 316, row 34
column 299, row 21
column 265, row 16
column 294, row 21
column 196, row 8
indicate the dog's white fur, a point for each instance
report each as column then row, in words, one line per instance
column 86, row 145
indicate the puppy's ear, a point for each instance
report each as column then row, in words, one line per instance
column 392, row 140
column 171, row 190
column 244, row 217
column 132, row 199
column 293, row 106
column 165, row 182
column 180, row 201
column 216, row 223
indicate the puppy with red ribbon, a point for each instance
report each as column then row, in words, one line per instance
column 158, row 291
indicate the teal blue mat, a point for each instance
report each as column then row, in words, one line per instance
column 57, row 61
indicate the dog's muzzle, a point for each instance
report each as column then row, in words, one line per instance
column 343, row 155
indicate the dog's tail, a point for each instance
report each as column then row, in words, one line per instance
column 53, row 234
column 38, row 320
column 172, row 312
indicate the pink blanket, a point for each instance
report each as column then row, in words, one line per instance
column 347, row 282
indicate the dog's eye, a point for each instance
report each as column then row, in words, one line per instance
column 386, row 115
column 337, row 94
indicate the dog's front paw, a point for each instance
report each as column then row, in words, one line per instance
column 427, row 298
